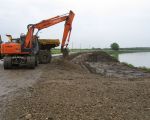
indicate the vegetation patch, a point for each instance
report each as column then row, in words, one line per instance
column 145, row 69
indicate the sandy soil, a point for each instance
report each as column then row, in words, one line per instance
column 67, row 90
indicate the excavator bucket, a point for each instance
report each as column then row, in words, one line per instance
column 65, row 52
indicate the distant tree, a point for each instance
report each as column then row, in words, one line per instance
column 93, row 48
column 114, row 46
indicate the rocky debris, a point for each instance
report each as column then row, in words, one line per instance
column 103, row 64
column 28, row 117
column 115, row 70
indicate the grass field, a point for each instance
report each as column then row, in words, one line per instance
column 58, row 51
column 126, row 50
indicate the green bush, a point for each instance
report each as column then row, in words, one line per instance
column 114, row 46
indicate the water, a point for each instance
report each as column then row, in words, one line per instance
column 141, row 59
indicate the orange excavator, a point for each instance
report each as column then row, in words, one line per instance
column 26, row 49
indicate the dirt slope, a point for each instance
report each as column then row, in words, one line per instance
column 66, row 90
column 101, row 63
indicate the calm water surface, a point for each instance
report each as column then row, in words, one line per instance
column 137, row 59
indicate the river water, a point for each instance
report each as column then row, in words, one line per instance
column 141, row 59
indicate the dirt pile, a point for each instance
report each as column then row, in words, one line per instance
column 103, row 64
column 98, row 56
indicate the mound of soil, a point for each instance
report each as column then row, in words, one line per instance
column 97, row 56
column 100, row 62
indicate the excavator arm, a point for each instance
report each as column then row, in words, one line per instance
column 68, row 18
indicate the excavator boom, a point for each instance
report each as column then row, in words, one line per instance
column 68, row 18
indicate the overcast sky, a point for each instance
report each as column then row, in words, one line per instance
column 97, row 23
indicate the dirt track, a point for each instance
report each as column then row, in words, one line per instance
column 10, row 80
column 67, row 91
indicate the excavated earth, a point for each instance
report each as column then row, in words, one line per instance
column 86, row 86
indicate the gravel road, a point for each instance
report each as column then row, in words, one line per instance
column 14, row 79
column 11, row 80
column 67, row 91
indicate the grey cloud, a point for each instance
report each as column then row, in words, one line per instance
column 96, row 24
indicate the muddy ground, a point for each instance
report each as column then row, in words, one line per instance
column 89, row 86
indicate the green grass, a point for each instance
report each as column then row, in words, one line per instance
column 58, row 51
column 145, row 69
column 129, row 65
column 55, row 51
column 141, row 68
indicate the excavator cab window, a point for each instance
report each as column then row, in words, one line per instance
column 0, row 39
column 22, row 39
column 17, row 40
